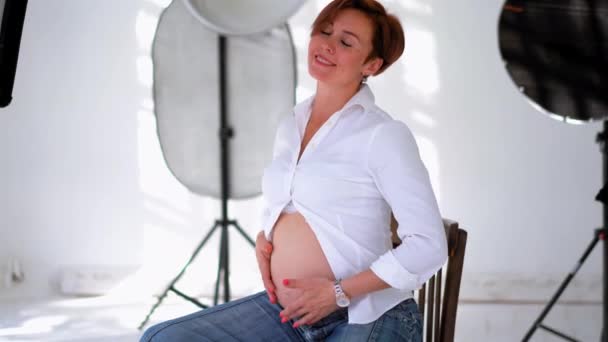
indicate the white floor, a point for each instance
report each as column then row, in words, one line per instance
column 102, row 319
column 82, row 319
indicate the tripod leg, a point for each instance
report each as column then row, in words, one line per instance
column 240, row 230
column 181, row 273
column 226, row 268
column 220, row 266
column 223, row 270
column 156, row 305
column 602, row 235
column 562, row 287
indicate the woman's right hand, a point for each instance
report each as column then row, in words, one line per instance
column 263, row 250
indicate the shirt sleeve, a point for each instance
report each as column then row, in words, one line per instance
column 402, row 179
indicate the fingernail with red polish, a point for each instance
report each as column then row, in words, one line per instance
column 285, row 281
column 284, row 319
column 296, row 324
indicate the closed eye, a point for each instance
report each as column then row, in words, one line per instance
column 326, row 33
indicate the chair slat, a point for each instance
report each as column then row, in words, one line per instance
column 421, row 302
column 452, row 287
column 429, row 309
column 437, row 310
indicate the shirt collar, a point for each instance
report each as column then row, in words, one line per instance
column 364, row 98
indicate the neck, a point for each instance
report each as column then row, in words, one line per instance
column 330, row 99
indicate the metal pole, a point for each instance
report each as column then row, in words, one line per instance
column 602, row 140
column 225, row 134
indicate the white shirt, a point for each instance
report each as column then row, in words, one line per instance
column 359, row 165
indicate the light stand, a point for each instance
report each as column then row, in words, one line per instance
column 600, row 234
column 223, row 272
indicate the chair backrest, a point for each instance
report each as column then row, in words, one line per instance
column 439, row 316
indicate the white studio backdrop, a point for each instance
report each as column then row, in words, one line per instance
column 83, row 180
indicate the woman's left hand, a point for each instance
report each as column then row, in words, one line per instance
column 316, row 300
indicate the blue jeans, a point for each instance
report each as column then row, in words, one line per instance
column 254, row 318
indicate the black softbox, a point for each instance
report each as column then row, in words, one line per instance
column 13, row 15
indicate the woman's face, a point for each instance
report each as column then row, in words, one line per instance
column 336, row 55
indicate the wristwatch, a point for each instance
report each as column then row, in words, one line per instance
column 341, row 298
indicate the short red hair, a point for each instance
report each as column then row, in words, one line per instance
column 388, row 39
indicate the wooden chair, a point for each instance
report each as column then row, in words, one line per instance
column 439, row 316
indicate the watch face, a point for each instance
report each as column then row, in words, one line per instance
column 343, row 301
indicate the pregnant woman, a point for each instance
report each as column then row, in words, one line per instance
column 340, row 167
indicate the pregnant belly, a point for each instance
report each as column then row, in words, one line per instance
column 296, row 254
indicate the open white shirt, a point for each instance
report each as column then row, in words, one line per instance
column 359, row 165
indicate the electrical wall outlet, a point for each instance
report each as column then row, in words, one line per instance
column 12, row 273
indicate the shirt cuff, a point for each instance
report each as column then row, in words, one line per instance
column 267, row 223
column 388, row 268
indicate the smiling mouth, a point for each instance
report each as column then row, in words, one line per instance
column 323, row 61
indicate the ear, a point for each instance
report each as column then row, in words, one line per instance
column 371, row 67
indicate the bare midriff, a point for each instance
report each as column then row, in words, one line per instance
column 296, row 254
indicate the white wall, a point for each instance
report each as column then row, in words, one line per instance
column 83, row 181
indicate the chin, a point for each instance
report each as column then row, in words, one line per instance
column 318, row 76
column 321, row 78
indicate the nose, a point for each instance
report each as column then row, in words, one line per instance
column 329, row 46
